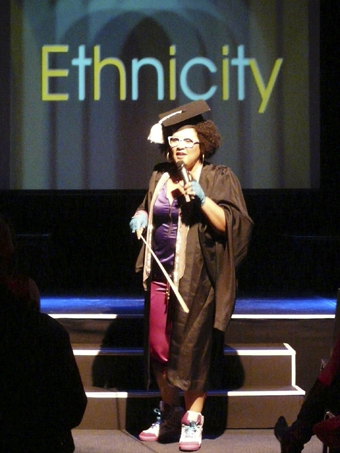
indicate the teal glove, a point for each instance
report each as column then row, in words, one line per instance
column 197, row 189
column 139, row 221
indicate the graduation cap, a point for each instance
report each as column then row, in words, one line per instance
column 186, row 114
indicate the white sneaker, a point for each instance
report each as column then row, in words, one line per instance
column 192, row 429
column 152, row 434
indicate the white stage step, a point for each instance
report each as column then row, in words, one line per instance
column 267, row 389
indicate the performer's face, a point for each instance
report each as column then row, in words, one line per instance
column 182, row 150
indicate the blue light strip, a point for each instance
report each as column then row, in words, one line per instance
column 134, row 305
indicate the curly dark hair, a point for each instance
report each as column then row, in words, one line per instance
column 208, row 136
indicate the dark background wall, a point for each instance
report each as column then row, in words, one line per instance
column 79, row 242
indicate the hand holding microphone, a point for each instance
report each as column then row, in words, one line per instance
column 195, row 189
column 182, row 171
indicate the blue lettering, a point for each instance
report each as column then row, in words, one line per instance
column 241, row 62
column 81, row 62
column 136, row 65
column 184, row 76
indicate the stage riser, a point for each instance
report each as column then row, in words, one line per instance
column 113, row 378
column 310, row 338
column 126, row 372
column 243, row 412
column 120, row 332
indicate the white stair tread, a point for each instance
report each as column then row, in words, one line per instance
column 233, row 349
column 292, row 390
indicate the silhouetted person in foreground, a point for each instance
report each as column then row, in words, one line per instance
column 21, row 286
column 323, row 396
column 41, row 392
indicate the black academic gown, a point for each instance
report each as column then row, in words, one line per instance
column 208, row 285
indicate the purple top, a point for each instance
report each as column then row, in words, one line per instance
column 165, row 217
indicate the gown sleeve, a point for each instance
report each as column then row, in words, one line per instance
column 223, row 254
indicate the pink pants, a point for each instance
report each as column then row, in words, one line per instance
column 159, row 325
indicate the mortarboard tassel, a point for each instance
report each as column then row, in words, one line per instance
column 156, row 132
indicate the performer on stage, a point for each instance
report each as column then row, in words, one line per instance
column 195, row 221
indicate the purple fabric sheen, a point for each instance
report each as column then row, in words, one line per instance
column 160, row 328
column 165, row 230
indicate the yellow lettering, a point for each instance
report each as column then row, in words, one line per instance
column 47, row 73
column 265, row 92
column 172, row 74
column 98, row 66
column 225, row 74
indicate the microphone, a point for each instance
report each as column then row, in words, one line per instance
column 181, row 168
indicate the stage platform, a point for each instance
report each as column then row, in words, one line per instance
column 305, row 323
column 273, row 351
